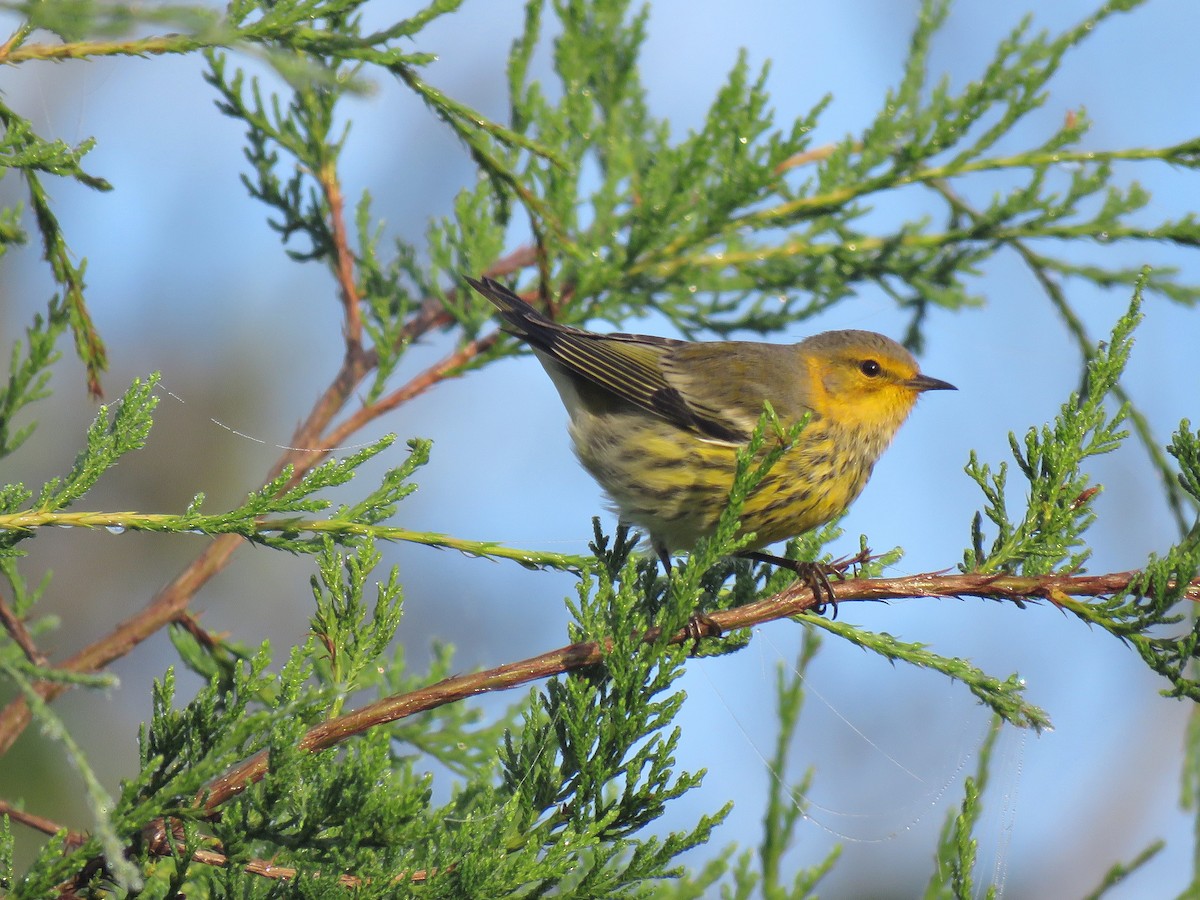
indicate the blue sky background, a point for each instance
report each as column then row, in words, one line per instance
column 185, row 278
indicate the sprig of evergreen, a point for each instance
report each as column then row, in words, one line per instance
column 954, row 868
column 1059, row 509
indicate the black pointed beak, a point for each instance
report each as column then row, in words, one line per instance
column 924, row 383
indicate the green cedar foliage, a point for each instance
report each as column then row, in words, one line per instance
column 709, row 229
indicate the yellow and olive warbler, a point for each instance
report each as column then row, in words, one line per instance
column 658, row 422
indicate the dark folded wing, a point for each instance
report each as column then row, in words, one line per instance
column 629, row 366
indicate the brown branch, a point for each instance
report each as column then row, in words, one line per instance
column 801, row 159
column 796, row 599
column 42, row 824
column 161, row 843
column 431, row 316
column 157, row 45
column 343, row 258
column 163, row 608
column 311, row 445
column 287, row 873
column 15, row 626
column 14, row 40
column 521, row 258
column 205, row 638
column 447, row 367
column 171, row 602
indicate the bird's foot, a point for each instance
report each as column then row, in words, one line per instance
column 701, row 625
column 815, row 575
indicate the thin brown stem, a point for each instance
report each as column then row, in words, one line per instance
column 164, row 608
column 343, row 259
column 14, row 40
column 795, row 599
column 802, row 159
column 447, row 367
column 171, row 602
column 312, row 442
column 15, row 626
column 40, row 823
column 286, row 873
column 161, row 838
column 191, row 624
column 521, row 258
column 141, row 47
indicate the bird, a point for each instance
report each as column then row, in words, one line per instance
column 658, row 422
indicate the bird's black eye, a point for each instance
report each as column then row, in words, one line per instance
column 870, row 368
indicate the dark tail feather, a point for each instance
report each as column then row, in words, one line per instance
column 521, row 318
